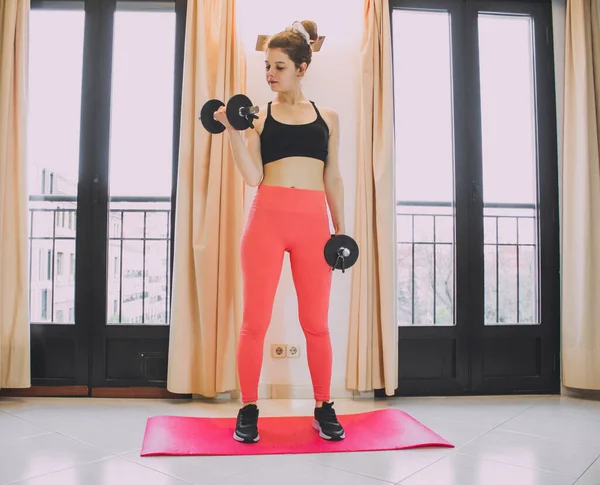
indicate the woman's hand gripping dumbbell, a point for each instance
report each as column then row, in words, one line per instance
column 237, row 115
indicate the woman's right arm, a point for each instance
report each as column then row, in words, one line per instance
column 246, row 153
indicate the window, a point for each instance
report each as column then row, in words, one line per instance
column 40, row 261
column 49, row 266
column 509, row 168
column 141, row 136
column 53, row 134
column 430, row 116
column 72, row 265
column 44, row 310
column 477, row 197
column 59, row 264
column 425, row 215
column 103, row 131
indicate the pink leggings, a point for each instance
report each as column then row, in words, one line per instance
column 293, row 220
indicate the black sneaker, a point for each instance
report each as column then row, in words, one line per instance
column 246, row 429
column 327, row 424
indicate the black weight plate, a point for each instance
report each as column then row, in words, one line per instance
column 207, row 116
column 332, row 255
column 233, row 111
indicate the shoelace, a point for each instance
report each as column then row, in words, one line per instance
column 329, row 413
column 247, row 416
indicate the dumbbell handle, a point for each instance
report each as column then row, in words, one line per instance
column 343, row 252
column 249, row 112
column 252, row 110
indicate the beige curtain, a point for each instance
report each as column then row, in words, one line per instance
column 14, row 297
column 207, row 308
column 372, row 349
column 581, row 199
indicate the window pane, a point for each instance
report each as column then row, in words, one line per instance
column 509, row 169
column 425, row 221
column 141, row 157
column 55, row 74
column 141, row 136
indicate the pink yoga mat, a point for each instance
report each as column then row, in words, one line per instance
column 386, row 429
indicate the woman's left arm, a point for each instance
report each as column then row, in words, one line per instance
column 332, row 178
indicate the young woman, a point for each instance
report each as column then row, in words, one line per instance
column 292, row 156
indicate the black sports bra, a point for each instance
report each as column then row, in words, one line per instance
column 279, row 140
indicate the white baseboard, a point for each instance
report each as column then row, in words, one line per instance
column 288, row 391
column 363, row 395
column 264, row 392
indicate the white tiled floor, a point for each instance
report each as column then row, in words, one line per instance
column 535, row 440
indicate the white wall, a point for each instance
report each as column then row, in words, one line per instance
column 331, row 80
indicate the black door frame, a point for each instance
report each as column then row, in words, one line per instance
column 140, row 347
column 544, row 338
column 466, row 344
column 86, row 340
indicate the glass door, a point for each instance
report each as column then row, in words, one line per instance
column 135, row 179
column 515, row 214
column 477, row 192
column 432, row 215
column 105, row 91
column 57, row 242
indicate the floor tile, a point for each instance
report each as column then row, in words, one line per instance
column 391, row 466
column 12, row 428
column 111, row 471
column 568, row 458
column 308, row 473
column 486, row 411
column 39, row 455
column 542, row 421
column 213, row 469
column 563, row 406
column 591, row 475
column 459, row 469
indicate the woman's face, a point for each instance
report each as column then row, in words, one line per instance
column 281, row 73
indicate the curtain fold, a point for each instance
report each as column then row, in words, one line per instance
column 15, row 369
column 207, row 308
column 580, row 199
column 372, row 361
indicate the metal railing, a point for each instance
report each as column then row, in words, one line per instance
column 426, row 293
column 141, row 273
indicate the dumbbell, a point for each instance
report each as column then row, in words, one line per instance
column 341, row 252
column 240, row 113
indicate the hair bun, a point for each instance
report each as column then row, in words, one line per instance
column 311, row 28
column 307, row 28
column 298, row 28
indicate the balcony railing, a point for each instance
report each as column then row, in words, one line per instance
column 138, row 269
column 426, row 276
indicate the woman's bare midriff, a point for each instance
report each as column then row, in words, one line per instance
column 297, row 172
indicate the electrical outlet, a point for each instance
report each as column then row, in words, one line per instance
column 293, row 351
column 278, row 351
